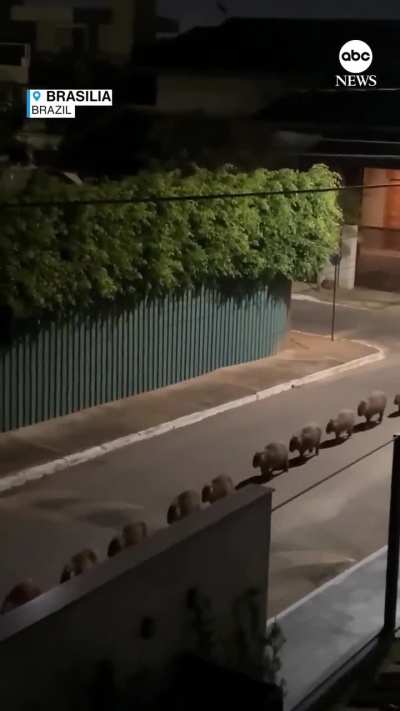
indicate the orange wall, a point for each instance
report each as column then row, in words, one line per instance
column 381, row 207
column 374, row 201
column 392, row 211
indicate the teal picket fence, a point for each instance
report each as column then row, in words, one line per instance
column 58, row 367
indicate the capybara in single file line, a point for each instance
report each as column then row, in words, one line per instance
column 275, row 457
column 220, row 487
column 307, row 440
column 185, row 504
column 79, row 563
column 344, row 423
column 374, row 405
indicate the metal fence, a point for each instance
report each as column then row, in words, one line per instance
column 57, row 368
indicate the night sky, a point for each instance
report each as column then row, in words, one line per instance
column 201, row 12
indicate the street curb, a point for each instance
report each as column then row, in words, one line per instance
column 40, row 471
column 341, row 304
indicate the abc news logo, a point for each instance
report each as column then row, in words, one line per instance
column 356, row 57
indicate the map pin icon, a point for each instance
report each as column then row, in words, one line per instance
column 36, row 95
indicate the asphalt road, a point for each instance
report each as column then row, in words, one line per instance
column 381, row 327
column 313, row 538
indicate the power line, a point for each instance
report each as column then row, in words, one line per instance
column 156, row 199
column 330, row 476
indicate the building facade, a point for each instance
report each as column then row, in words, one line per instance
column 107, row 29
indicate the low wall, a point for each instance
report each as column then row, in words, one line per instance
column 49, row 647
column 51, row 369
column 378, row 262
column 374, row 238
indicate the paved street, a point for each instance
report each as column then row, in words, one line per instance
column 314, row 538
column 374, row 326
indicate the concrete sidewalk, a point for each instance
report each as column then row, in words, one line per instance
column 338, row 619
column 358, row 297
column 303, row 356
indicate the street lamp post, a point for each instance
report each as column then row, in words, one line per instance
column 335, row 260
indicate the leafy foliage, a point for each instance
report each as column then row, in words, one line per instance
column 56, row 258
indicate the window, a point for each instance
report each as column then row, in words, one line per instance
column 72, row 37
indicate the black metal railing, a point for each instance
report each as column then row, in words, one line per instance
column 392, row 567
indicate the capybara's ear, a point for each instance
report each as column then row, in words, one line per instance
column 114, row 547
column 66, row 574
column 172, row 514
column 206, row 494
column 134, row 533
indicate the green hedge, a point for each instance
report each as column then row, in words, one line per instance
column 54, row 259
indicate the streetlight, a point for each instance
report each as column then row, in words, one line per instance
column 335, row 260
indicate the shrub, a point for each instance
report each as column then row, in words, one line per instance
column 56, row 258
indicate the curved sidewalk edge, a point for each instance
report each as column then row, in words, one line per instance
column 34, row 473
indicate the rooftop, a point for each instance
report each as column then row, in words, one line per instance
column 281, row 45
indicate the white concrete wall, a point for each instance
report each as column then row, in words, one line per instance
column 225, row 95
column 347, row 273
column 222, row 551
